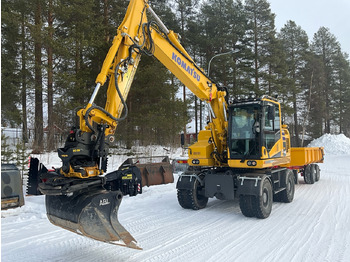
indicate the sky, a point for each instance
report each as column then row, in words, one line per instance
column 312, row 14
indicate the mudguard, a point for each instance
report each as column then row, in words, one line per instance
column 249, row 185
column 186, row 181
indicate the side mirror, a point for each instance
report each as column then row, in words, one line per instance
column 256, row 127
column 182, row 140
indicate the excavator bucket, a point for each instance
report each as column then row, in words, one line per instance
column 153, row 171
column 89, row 207
column 86, row 207
column 93, row 214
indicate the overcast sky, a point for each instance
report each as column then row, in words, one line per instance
column 312, row 14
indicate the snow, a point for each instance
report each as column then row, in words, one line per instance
column 314, row 227
column 333, row 144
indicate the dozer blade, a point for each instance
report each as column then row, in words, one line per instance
column 92, row 213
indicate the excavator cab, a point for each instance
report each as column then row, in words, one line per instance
column 255, row 133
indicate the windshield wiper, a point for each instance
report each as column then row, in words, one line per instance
column 248, row 153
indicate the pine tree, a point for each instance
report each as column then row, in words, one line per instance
column 261, row 35
column 295, row 45
column 21, row 157
column 50, row 76
column 314, row 84
column 325, row 46
column 6, row 151
column 10, row 67
column 342, row 91
column 38, row 75
column 25, row 57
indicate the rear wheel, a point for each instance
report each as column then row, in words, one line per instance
column 309, row 174
column 246, row 205
column 287, row 194
column 192, row 199
column 317, row 170
column 262, row 204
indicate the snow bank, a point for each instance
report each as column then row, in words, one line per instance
column 333, row 144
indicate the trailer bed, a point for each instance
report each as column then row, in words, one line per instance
column 302, row 156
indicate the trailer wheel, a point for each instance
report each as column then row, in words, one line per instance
column 191, row 199
column 287, row 194
column 262, row 204
column 246, row 205
column 317, row 168
column 309, row 174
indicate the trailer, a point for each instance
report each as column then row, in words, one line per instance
column 305, row 160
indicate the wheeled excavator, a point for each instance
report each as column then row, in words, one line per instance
column 243, row 152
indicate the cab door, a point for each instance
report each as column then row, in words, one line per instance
column 271, row 131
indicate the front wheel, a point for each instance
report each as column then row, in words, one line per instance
column 192, row 199
column 263, row 203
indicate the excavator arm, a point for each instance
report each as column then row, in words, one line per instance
column 80, row 195
column 136, row 36
column 97, row 125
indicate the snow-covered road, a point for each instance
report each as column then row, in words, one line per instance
column 314, row 227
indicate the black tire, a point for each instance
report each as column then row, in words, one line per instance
column 246, row 205
column 191, row 199
column 287, row 195
column 262, row 204
column 183, row 197
column 306, row 174
column 309, row 174
column 318, row 173
column 313, row 174
column 296, row 178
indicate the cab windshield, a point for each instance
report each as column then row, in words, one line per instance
column 244, row 126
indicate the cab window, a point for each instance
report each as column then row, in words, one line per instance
column 271, row 126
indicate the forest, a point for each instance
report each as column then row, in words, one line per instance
column 53, row 50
